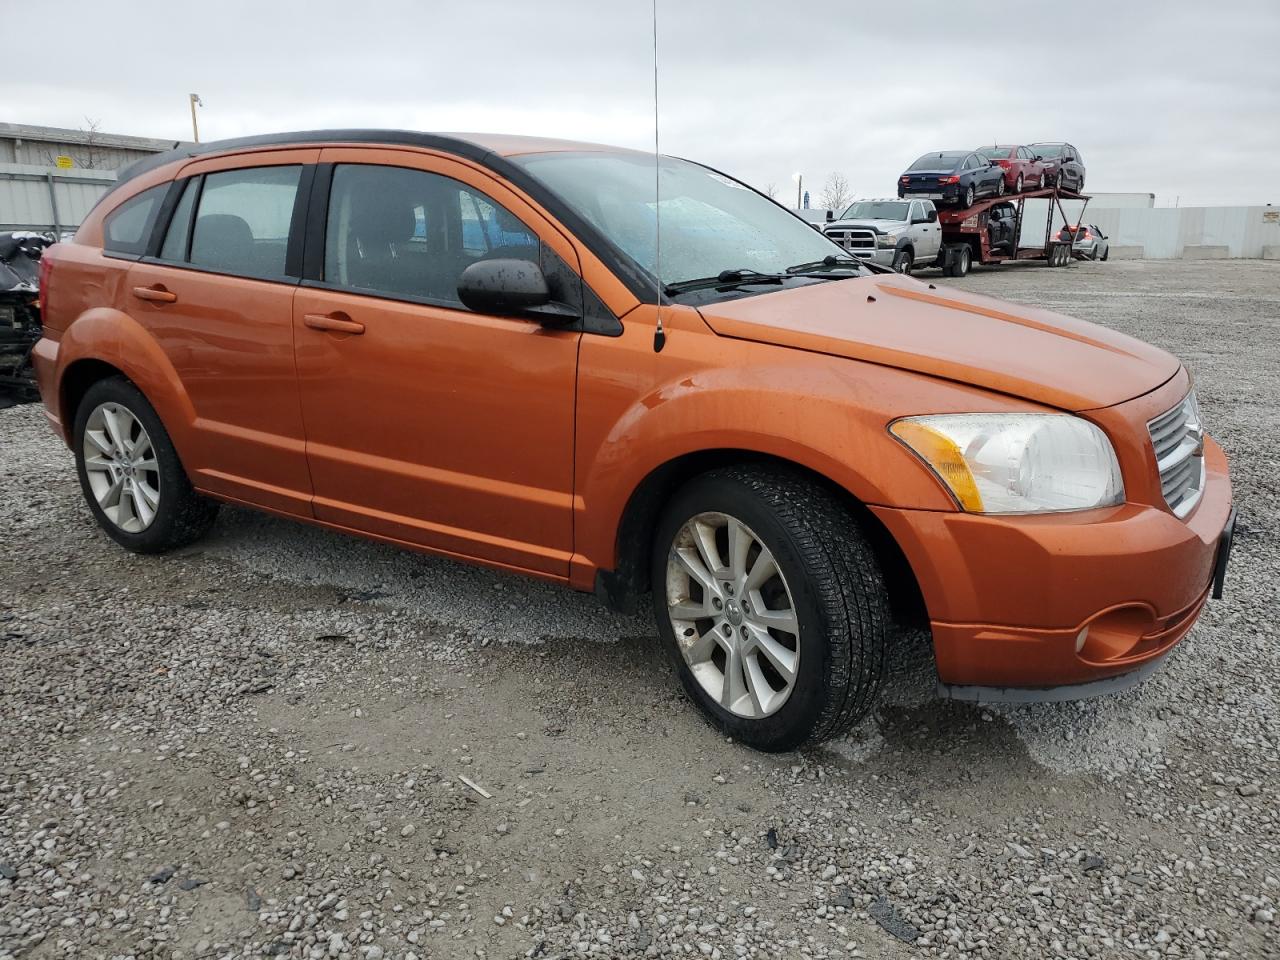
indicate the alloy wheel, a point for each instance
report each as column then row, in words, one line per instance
column 733, row 615
column 121, row 466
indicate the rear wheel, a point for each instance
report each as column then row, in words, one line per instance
column 1017, row 186
column 962, row 261
column 1105, row 253
column 968, row 195
column 130, row 473
column 771, row 604
column 903, row 261
column 1000, row 186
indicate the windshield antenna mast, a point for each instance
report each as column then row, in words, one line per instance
column 659, row 334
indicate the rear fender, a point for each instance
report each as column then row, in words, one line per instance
column 110, row 336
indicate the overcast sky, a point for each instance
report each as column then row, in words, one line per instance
column 1176, row 98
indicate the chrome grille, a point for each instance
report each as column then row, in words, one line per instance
column 1177, row 436
column 857, row 241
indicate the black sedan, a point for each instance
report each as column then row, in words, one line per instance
column 953, row 176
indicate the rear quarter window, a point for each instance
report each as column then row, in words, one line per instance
column 127, row 228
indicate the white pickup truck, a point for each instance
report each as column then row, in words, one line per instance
column 894, row 233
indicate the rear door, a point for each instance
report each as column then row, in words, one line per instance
column 217, row 293
column 426, row 422
column 931, row 233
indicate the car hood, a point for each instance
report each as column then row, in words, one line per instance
column 1035, row 354
column 880, row 226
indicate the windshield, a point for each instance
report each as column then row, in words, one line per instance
column 1047, row 149
column 994, row 153
column 710, row 223
column 938, row 161
column 876, row 210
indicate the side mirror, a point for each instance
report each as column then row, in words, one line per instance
column 503, row 287
column 932, row 216
column 831, row 215
column 1038, row 158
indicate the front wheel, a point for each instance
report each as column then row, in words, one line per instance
column 1000, row 186
column 1017, row 186
column 771, row 604
column 902, row 262
column 130, row 473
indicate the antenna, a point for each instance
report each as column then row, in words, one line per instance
column 659, row 334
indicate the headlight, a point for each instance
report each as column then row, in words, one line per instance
column 887, row 239
column 1017, row 462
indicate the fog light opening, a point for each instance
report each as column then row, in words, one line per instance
column 1081, row 637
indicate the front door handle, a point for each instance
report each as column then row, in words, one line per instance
column 336, row 323
column 156, row 293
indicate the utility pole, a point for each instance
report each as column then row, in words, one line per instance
column 799, row 179
column 195, row 129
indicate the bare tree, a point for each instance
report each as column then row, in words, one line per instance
column 836, row 193
column 92, row 155
column 771, row 190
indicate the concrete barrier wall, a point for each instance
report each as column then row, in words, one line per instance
column 1166, row 233
column 1171, row 233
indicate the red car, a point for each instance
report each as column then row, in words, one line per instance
column 1022, row 168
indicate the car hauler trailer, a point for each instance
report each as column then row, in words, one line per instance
column 966, row 236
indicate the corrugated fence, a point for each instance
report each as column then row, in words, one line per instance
column 48, row 199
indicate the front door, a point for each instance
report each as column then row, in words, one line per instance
column 426, row 422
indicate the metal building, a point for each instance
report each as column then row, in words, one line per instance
column 51, row 177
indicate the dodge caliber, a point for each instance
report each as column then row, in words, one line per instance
column 515, row 352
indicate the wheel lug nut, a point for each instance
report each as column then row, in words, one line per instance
column 718, row 603
column 729, row 589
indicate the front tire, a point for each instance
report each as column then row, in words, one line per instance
column 130, row 473
column 1017, row 186
column 902, row 262
column 771, row 604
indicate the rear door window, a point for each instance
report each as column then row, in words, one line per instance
column 179, row 231
column 127, row 229
column 242, row 225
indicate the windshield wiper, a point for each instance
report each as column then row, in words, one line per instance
column 830, row 260
column 736, row 277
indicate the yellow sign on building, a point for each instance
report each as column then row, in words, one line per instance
column 64, row 162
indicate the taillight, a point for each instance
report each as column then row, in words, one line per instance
column 905, row 179
column 43, row 276
column 950, row 180
column 46, row 269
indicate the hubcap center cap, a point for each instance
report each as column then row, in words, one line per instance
column 734, row 612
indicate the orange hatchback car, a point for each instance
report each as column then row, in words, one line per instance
column 461, row 344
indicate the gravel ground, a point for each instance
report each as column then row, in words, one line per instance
column 258, row 746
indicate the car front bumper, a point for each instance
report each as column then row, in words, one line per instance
column 1038, row 602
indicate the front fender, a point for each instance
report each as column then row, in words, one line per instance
column 828, row 415
column 111, row 336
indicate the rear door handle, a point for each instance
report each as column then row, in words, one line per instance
column 156, row 293
column 337, row 323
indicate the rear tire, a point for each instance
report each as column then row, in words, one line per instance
column 1105, row 253
column 820, row 576
column 130, row 473
column 1000, row 186
column 968, row 196
column 962, row 262
column 1017, row 186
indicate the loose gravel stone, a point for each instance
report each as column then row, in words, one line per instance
column 284, row 712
